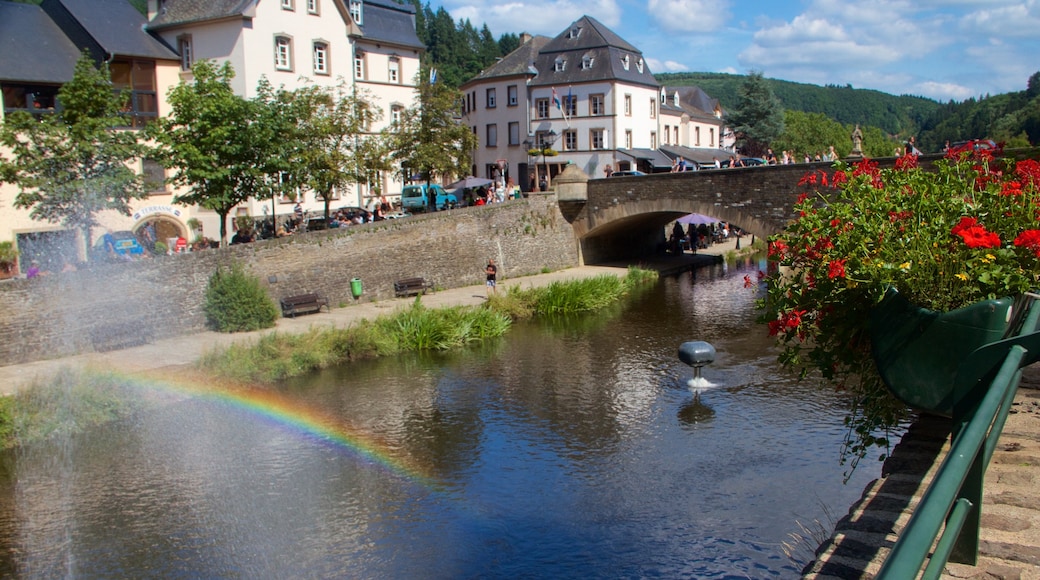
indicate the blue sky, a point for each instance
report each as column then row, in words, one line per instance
column 941, row 49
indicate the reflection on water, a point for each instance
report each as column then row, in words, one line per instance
column 568, row 450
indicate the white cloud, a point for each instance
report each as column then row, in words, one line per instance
column 1011, row 20
column 532, row 17
column 941, row 91
column 689, row 15
column 666, row 66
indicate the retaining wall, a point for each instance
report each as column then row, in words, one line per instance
column 109, row 304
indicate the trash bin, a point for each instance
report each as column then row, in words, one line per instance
column 355, row 288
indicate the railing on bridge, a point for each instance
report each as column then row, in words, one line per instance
column 955, row 494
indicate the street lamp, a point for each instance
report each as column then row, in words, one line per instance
column 527, row 151
column 547, row 142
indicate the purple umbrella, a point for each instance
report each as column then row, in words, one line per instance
column 696, row 218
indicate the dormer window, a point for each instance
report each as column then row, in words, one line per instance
column 560, row 64
column 355, row 11
column 675, row 100
column 639, row 65
column 586, row 62
column 574, row 32
column 624, row 62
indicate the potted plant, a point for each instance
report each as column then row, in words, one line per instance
column 8, row 260
column 878, row 257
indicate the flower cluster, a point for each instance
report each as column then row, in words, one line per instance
column 964, row 230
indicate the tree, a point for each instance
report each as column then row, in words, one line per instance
column 758, row 118
column 428, row 140
column 214, row 142
column 333, row 152
column 77, row 162
column 811, row 133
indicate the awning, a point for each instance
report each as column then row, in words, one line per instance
column 654, row 156
column 700, row 155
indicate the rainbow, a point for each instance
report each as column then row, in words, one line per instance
column 298, row 418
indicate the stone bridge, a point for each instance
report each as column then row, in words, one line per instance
column 621, row 218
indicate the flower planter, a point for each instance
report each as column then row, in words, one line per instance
column 918, row 352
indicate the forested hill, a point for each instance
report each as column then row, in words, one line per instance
column 894, row 115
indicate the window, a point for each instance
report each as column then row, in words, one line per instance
column 359, row 65
column 33, row 99
column 514, row 133
column 154, row 176
column 639, row 65
column 187, row 54
column 628, row 139
column 624, row 62
column 394, row 69
column 288, row 5
column 570, row 105
column 653, row 139
column 653, row 108
column 711, row 137
column 283, row 53
column 355, row 11
column 542, row 106
column 574, row 32
column 511, row 95
column 628, row 105
column 586, row 62
column 321, row 58
column 596, row 105
column 560, row 64
column 395, row 114
column 544, row 140
column 596, row 138
column 570, row 140
column 676, row 130
column 492, row 135
column 313, row 7
column 137, row 77
column 667, row 134
column 491, row 98
column 696, row 136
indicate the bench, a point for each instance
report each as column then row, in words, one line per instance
column 303, row 303
column 412, row 286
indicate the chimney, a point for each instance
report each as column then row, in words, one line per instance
column 525, row 38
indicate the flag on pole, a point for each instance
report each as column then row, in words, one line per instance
column 433, row 76
column 559, row 105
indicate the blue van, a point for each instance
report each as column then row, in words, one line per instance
column 414, row 197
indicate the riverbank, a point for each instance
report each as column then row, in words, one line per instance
column 169, row 354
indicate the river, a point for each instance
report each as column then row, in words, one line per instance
column 568, row 449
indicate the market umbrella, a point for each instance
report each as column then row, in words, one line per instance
column 697, row 218
column 469, row 182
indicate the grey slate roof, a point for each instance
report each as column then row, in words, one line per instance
column 34, row 49
column 176, row 12
column 114, row 26
column 654, row 156
column 698, row 154
column 607, row 50
column 390, row 22
column 516, row 63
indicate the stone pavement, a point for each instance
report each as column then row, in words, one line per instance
column 1009, row 543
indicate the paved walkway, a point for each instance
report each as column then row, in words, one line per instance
column 185, row 350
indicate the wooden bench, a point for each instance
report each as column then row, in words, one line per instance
column 303, row 303
column 412, row 286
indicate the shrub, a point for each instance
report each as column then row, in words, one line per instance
column 236, row 302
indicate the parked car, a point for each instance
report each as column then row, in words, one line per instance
column 972, row 145
column 126, row 244
column 745, row 162
column 415, row 197
column 630, row 173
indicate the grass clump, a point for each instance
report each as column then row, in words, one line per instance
column 67, row 405
column 236, row 302
column 570, row 296
column 278, row 356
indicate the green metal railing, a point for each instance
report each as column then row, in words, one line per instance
column 955, row 495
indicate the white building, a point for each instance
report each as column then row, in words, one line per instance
column 586, row 94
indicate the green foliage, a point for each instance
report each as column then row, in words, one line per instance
column 73, row 164
column 8, row 253
column 570, row 296
column 758, row 118
column 236, row 302
column 427, row 140
column 1007, row 117
column 812, row 133
column 846, row 105
column 214, row 142
column 64, row 406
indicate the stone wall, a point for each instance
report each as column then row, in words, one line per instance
column 109, row 305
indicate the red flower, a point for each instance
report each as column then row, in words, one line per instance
column 894, row 216
column 965, row 223
column 778, row 249
column 801, row 197
column 836, row 269
column 808, row 178
column 1029, row 239
column 979, row 237
column 1029, row 171
column 839, row 178
column 1011, row 188
column 747, row 281
column 906, row 162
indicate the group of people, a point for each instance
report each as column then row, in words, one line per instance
column 789, row 157
column 699, row 236
column 496, row 192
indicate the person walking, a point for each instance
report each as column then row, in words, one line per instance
column 491, row 270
